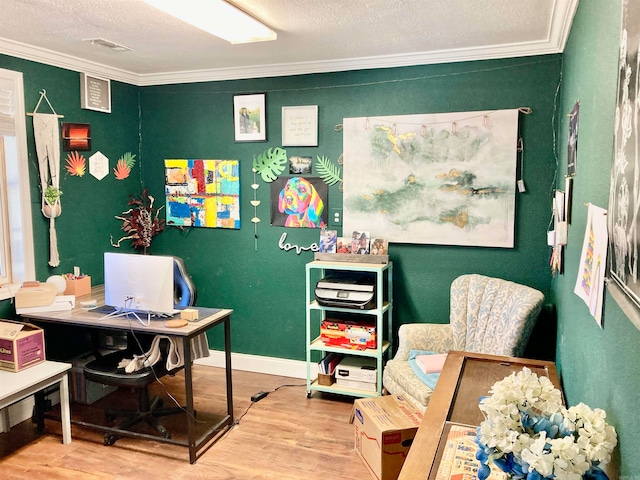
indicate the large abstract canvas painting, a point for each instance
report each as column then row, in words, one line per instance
column 203, row 193
column 624, row 193
column 444, row 179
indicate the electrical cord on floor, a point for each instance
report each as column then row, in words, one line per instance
column 255, row 398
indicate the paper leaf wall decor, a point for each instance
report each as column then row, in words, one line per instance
column 271, row 163
column 124, row 166
column 122, row 170
column 130, row 159
column 327, row 170
column 76, row 164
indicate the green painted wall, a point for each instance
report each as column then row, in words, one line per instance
column 265, row 286
column 600, row 367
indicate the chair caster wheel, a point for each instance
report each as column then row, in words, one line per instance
column 164, row 432
column 308, row 394
column 109, row 439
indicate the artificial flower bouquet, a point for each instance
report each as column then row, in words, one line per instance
column 141, row 222
column 528, row 433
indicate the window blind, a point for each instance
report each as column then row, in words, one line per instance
column 7, row 124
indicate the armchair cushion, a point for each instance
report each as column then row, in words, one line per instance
column 435, row 337
column 429, row 379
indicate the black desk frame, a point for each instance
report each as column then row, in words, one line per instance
column 196, row 446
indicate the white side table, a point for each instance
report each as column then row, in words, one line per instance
column 15, row 386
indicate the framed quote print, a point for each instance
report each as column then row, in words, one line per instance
column 300, row 126
column 95, row 93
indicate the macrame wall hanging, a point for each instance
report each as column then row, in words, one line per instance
column 46, row 133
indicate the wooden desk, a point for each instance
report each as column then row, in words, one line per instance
column 88, row 319
column 465, row 378
column 19, row 385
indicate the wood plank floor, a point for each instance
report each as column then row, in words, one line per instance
column 284, row 436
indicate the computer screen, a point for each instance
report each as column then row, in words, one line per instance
column 139, row 283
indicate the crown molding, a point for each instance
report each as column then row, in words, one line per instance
column 61, row 60
column 562, row 16
column 367, row 63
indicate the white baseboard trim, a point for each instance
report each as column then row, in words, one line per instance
column 258, row 364
column 21, row 411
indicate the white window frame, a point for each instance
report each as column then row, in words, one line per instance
column 23, row 264
column 5, row 241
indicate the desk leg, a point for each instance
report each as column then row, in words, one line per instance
column 227, row 357
column 65, row 411
column 4, row 420
column 188, row 387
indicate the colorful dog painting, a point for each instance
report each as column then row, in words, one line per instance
column 301, row 203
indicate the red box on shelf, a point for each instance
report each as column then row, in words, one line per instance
column 351, row 334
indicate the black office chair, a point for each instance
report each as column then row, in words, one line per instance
column 104, row 369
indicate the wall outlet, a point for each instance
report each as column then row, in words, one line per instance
column 335, row 217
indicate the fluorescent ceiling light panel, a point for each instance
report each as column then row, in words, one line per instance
column 218, row 18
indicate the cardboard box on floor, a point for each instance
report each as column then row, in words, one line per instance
column 384, row 428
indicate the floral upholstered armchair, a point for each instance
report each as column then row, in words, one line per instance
column 487, row 315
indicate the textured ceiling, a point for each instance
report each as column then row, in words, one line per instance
column 313, row 36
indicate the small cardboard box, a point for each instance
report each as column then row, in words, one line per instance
column 189, row 314
column 21, row 345
column 78, row 286
column 326, row 380
column 384, row 430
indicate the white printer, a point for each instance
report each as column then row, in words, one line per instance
column 347, row 290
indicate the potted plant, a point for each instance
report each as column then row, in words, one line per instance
column 51, row 207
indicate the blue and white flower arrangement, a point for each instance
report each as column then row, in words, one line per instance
column 529, row 434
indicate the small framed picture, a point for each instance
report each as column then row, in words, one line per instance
column 360, row 243
column 300, row 126
column 299, row 165
column 250, row 118
column 328, row 241
column 343, row 245
column 379, row 246
column 95, row 93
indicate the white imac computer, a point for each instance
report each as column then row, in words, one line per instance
column 139, row 284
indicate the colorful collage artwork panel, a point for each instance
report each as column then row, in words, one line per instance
column 203, row 193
